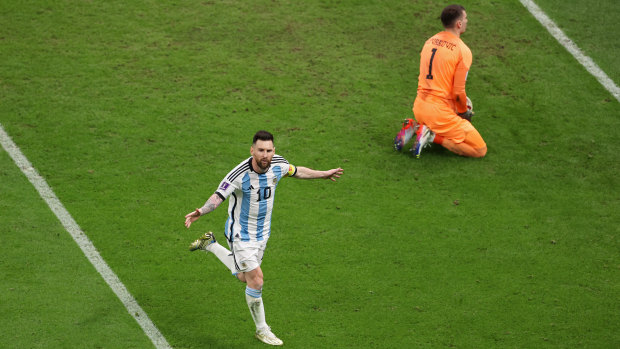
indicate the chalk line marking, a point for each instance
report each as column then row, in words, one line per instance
column 565, row 41
column 82, row 240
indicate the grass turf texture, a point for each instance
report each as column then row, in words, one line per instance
column 133, row 112
column 587, row 23
column 52, row 297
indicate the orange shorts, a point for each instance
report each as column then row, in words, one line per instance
column 440, row 116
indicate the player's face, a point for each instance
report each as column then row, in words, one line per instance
column 262, row 152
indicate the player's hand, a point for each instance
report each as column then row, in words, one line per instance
column 191, row 218
column 334, row 173
column 466, row 115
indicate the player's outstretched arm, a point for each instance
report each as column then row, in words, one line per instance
column 308, row 173
column 211, row 204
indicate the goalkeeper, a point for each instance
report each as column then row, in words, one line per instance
column 440, row 107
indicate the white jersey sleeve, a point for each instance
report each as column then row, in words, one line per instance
column 284, row 168
column 232, row 181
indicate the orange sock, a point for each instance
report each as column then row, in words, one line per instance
column 438, row 139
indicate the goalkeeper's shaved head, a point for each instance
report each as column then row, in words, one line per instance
column 451, row 14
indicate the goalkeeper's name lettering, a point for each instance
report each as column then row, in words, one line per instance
column 443, row 43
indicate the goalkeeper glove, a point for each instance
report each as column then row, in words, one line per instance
column 466, row 115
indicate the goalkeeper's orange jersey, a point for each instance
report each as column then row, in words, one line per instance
column 444, row 64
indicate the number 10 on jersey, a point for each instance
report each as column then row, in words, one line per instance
column 263, row 193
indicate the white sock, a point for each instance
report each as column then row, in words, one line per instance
column 255, row 303
column 224, row 255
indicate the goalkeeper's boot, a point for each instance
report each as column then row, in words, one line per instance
column 409, row 129
column 266, row 336
column 424, row 138
column 201, row 244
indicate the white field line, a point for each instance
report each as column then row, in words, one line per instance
column 82, row 240
column 565, row 41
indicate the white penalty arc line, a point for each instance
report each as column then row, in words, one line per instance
column 83, row 242
column 565, row 41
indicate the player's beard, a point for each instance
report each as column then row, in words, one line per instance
column 264, row 164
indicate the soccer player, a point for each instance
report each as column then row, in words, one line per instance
column 440, row 108
column 252, row 187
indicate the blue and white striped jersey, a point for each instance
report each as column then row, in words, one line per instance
column 251, row 198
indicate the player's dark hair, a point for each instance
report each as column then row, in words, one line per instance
column 451, row 14
column 263, row 136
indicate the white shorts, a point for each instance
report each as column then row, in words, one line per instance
column 247, row 255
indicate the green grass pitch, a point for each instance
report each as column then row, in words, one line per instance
column 133, row 111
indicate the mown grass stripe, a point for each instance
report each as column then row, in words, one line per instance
column 82, row 240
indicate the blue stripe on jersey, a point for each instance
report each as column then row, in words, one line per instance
column 277, row 170
column 245, row 209
column 262, row 206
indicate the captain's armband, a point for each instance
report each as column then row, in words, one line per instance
column 292, row 170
